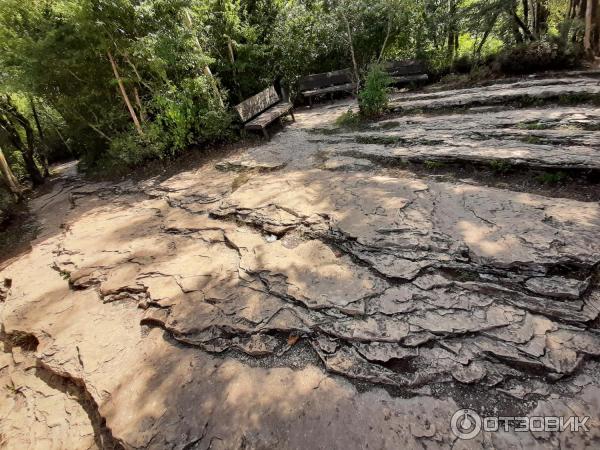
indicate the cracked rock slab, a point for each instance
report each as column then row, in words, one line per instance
column 182, row 305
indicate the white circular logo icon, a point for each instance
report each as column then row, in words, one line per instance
column 466, row 424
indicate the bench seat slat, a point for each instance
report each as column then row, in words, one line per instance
column 269, row 116
column 398, row 68
column 322, row 80
column 340, row 87
column 409, row 78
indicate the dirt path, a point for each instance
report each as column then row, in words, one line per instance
column 308, row 294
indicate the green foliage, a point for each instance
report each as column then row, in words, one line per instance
column 374, row 96
column 433, row 165
column 189, row 113
column 499, row 166
column 535, row 140
column 56, row 53
column 349, row 119
column 537, row 56
column 552, row 177
column 305, row 40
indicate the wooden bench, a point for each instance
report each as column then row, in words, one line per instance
column 403, row 72
column 326, row 83
column 259, row 111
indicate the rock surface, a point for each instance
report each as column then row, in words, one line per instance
column 316, row 302
column 545, row 138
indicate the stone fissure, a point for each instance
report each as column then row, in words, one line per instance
column 177, row 298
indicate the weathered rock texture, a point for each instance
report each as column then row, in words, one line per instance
column 545, row 138
column 499, row 94
column 265, row 302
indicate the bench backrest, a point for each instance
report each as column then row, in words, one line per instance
column 257, row 104
column 323, row 80
column 405, row 67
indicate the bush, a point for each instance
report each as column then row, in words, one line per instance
column 373, row 98
column 536, row 57
column 349, row 119
column 463, row 64
column 190, row 113
column 179, row 116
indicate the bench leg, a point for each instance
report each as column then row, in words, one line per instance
column 310, row 101
column 265, row 133
column 292, row 114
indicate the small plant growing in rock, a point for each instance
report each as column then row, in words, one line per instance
column 552, row 177
column 374, row 97
column 535, row 140
column 536, row 125
column 433, row 165
column 349, row 119
column 499, row 166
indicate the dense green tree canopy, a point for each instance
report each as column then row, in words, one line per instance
column 118, row 82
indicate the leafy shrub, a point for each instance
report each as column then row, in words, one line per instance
column 433, row 165
column 537, row 56
column 374, row 96
column 180, row 116
column 130, row 149
column 499, row 166
column 463, row 64
column 190, row 113
column 552, row 177
column 349, row 119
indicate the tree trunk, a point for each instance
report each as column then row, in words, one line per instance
column 450, row 50
column 138, row 102
column 534, row 12
column 44, row 154
column 575, row 14
column 9, row 178
column 351, row 44
column 526, row 31
column 587, row 37
column 7, row 122
column 387, row 37
column 132, row 113
column 206, row 70
column 230, row 50
column 597, row 12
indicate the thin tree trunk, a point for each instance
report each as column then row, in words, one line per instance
column 9, row 178
column 137, row 74
column 385, row 41
column 230, row 50
column 124, row 94
column 349, row 32
column 138, row 102
column 98, row 130
column 62, row 138
column 452, row 35
column 7, row 121
column 522, row 26
column 575, row 13
column 190, row 25
column 597, row 29
column 587, row 37
column 44, row 154
column 55, row 126
column 570, row 11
